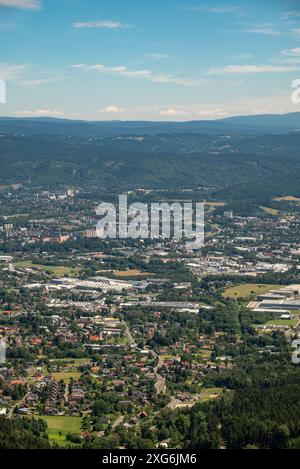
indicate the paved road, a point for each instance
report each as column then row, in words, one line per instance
column 129, row 336
column 17, row 404
column 160, row 383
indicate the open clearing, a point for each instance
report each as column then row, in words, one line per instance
column 69, row 227
column 205, row 395
column 59, row 427
column 66, row 376
column 210, row 393
column 57, row 270
column 130, row 273
column 247, row 289
column 288, row 198
column 271, row 211
column 215, row 204
column 283, row 322
column 69, row 361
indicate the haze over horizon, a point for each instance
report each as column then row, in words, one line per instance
column 100, row 61
column 46, row 117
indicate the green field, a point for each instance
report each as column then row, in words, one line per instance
column 283, row 322
column 247, row 289
column 59, row 427
column 69, row 361
column 66, row 375
column 69, row 227
column 210, row 393
column 57, row 270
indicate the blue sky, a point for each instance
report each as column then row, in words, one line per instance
column 158, row 60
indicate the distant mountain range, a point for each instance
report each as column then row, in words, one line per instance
column 245, row 161
column 268, row 123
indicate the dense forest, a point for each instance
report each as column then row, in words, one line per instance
column 261, row 411
column 250, row 169
column 23, row 434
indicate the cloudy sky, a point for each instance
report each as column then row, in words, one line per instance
column 158, row 60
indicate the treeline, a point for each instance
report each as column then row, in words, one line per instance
column 23, row 433
column 261, row 411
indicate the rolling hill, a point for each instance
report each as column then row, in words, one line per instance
column 244, row 124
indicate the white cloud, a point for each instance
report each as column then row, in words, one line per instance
column 266, row 30
column 288, row 61
column 113, row 110
column 21, row 4
column 227, row 10
column 212, row 113
column 10, row 72
column 103, row 24
column 79, row 66
column 291, row 52
column 40, row 113
column 146, row 74
column 288, row 57
column 244, row 69
column 231, row 10
column 176, row 80
column 24, row 75
column 244, row 56
column 157, row 56
column 171, row 112
column 41, row 79
column 290, row 15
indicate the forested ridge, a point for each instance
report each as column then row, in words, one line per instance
column 250, row 169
